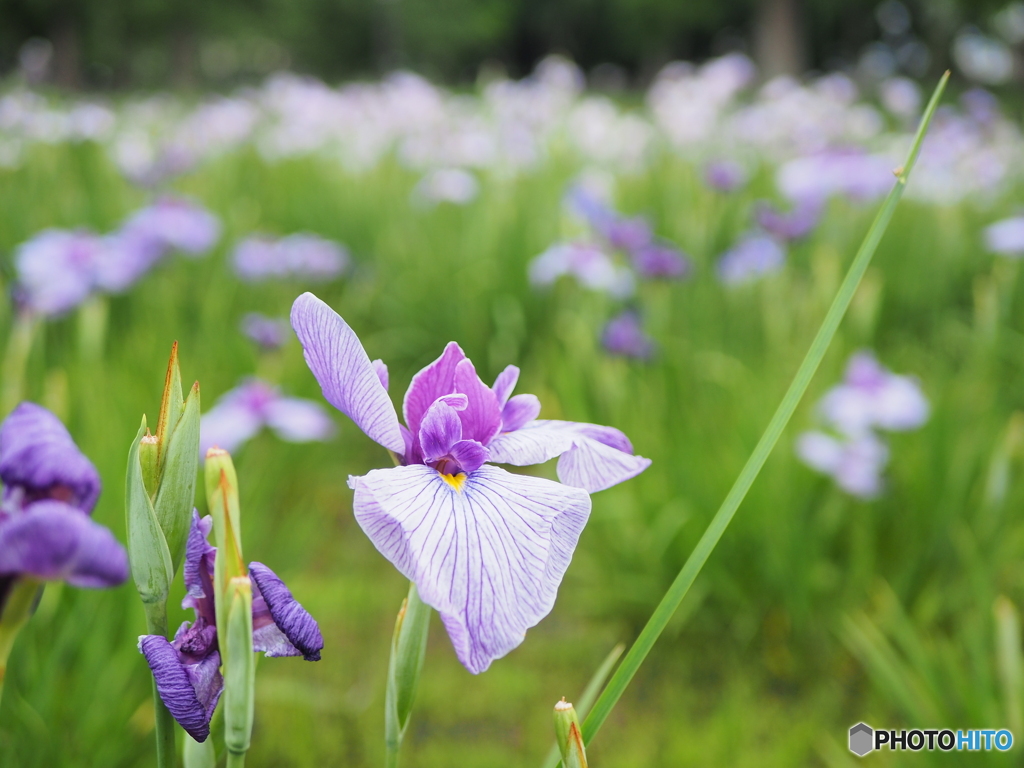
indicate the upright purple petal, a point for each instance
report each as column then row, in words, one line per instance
column 345, row 373
column 469, row 455
column 488, row 556
column 38, row 460
column 505, row 383
column 191, row 705
column 382, row 372
column 52, row 540
column 440, row 429
column 481, row 420
column 200, row 557
column 290, row 617
column 519, row 410
column 299, row 421
column 432, row 382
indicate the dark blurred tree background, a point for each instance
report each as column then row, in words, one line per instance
column 151, row 43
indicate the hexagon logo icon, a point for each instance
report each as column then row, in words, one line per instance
column 862, row 739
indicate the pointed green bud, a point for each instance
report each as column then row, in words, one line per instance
column 149, row 460
column 568, row 736
column 408, row 650
column 239, row 661
column 175, row 497
column 148, row 555
column 222, row 502
column 171, row 402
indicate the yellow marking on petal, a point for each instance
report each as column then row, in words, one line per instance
column 455, row 481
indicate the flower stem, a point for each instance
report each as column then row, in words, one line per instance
column 19, row 346
column 235, row 760
column 156, row 624
column 408, row 649
column 677, row 591
column 15, row 609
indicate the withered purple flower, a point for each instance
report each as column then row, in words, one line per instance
column 187, row 669
column 50, row 488
column 486, row 548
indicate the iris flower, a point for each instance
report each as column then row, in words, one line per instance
column 624, row 335
column 243, row 411
column 486, row 548
column 187, row 669
column 50, row 488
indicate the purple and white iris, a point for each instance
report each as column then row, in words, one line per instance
column 187, row 669
column 50, row 489
column 869, row 398
column 486, row 548
column 254, row 404
column 58, row 269
column 754, row 256
column 302, row 255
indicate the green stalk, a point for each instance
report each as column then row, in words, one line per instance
column 156, row 624
column 677, row 591
column 235, row 760
column 408, row 650
column 13, row 614
column 19, row 347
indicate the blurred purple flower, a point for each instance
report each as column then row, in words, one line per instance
column 659, row 259
column 242, row 412
column 872, row 397
column 855, row 463
column 851, row 173
column 725, row 175
column 447, row 185
column 789, row 225
column 752, row 257
column 173, row 223
column 486, row 548
column 301, row 255
column 628, row 233
column 50, row 488
column 187, row 669
column 591, row 266
column 1006, row 237
column 624, row 335
column 269, row 333
column 981, row 105
column 55, row 270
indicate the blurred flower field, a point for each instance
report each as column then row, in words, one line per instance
column 503, row 219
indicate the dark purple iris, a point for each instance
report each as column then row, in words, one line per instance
column 50, row 489
column 187, row 669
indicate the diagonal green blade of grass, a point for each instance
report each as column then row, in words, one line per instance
column 677, row 591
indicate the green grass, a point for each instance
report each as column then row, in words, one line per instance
column 759, row 666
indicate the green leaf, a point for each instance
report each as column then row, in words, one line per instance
column 693, row 565
column 148, row 555
column 239, row 667
column 175, row 498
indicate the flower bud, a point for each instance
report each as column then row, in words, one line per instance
column 569, row 736
column 408, row 649
column 149, row 460
column 239, row 661
column 160, row 488
column 222, row 501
